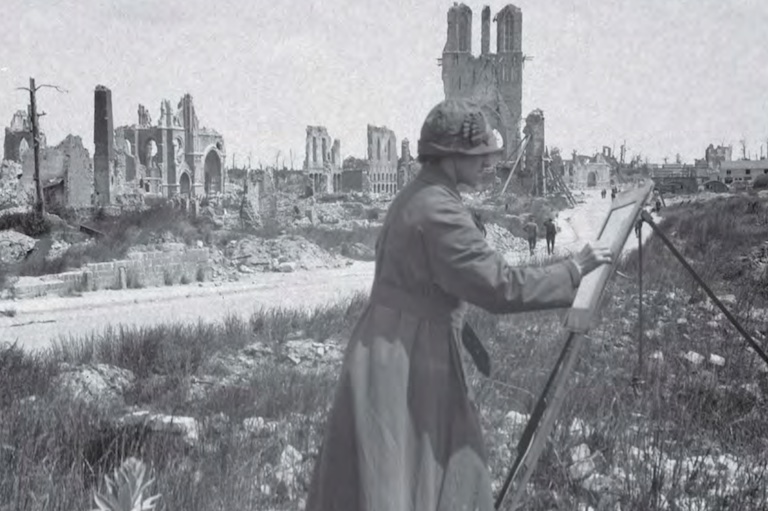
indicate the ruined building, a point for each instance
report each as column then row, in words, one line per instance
column 382, row 161
column 66, row 174
column 18, row 137
column 407, row 166
column 174, row 156
column 494, row 80
column 532, row 171
column 323, row 160
column 66, row 170
column 714, row 156
column 589, row 171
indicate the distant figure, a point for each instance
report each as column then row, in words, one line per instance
column 550, row 230
column 613, row 193
column 658, row 205
column 531, row 229
column 602, row 193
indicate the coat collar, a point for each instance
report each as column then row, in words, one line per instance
column 433, row 175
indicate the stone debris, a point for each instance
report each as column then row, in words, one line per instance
column 185, row 427
column 579, row 428
column 14, row 192
column 14, row 246
column 287, row 253
column 503, row 241
column 310, row 353
column 102, row 385
column 288, row 472
column 694, row 358
column 716, row 360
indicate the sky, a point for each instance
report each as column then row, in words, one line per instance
column 667, row 76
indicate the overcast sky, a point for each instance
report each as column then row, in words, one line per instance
column 669, row 76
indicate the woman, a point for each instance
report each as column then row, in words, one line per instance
column 403, row 433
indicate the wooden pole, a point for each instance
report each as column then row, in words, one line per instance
column 521, row 150
column 36, row 147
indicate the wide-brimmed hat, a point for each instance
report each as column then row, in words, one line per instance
column 457, row 127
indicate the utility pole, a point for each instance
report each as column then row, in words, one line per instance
column 40, row 206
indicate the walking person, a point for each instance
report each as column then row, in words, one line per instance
column 550, row 230
column 531, row 231
column 403, row 432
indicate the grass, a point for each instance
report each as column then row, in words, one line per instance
column 54, row 450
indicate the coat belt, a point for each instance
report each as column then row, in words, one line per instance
column 433, row 307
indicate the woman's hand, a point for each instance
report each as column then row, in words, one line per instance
column 592, row 256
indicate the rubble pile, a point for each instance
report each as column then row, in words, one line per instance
column 285, row 253
column 13, row 194
column 14, row 246
column 504, row 241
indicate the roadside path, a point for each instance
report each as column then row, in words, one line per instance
column 39, row 321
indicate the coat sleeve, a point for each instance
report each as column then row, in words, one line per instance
column 464, row 265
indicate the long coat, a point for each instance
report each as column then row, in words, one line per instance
column 403, row 433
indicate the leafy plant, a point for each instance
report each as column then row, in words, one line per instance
column 125, row 490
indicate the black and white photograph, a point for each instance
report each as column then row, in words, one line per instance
column 383, row 255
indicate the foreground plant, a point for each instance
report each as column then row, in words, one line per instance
column 125, row 491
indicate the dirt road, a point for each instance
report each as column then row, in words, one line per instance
column 38, row 321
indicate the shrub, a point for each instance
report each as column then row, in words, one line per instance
column 30, row 223
column 760, row 182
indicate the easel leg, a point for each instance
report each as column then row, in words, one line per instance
column 639, row 376
column 646, row 217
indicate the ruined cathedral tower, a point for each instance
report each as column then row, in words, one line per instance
column 495, row 80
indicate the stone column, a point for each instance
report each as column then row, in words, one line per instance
column 104, row 141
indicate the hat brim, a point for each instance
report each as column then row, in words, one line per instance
column 432, row 149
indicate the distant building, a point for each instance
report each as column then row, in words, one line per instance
column 175, row 156
column 323, row 160
column 714, row 156
column 588, row 171
column 382, row 161
column 742, row 172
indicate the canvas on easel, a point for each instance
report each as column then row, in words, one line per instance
column 618, row 225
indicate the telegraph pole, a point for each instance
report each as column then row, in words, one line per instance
column 40, row 206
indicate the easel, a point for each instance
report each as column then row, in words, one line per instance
column 577, row 323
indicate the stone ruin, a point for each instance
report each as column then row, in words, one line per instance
column 174, row 157
column 18, row 137
column 66, row 170
column 407, row 166
column 494, row 80
column 381, row 175
column 323, row 160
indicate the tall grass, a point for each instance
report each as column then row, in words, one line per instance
column 655, row 436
